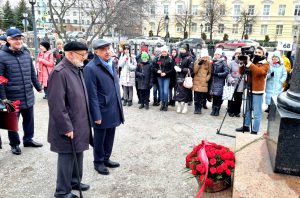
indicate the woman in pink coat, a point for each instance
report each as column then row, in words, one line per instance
column 44, row 64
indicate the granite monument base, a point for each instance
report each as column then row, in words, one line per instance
column 284, row 140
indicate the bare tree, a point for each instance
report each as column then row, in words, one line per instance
column 246, row 20
column 185, row 20
column 213, row 14
column 160, row 26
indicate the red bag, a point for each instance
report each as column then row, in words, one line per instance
column 9, row 121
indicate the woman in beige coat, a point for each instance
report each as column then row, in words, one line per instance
column 202, row 71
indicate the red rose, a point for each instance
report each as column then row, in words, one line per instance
column 213, row 170
column 213, row 161
column 201, row 178
column 3, row 80
column 228, row 172
column 201, row 168
column 220, row 169
column 208, row 182
column 126, row 58
column 158, row 62
column 176, row 60
column 194, row 172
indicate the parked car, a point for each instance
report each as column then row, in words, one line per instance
column 155, row 41
column 141, row 40
column 193, row 43
column 76, row 35
column 233, row 44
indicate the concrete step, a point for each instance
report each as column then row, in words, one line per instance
column 254, row 176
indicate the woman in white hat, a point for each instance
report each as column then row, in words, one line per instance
column 202, row 74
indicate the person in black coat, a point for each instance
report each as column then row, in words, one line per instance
column 144, row 77
column 69, row 121
column 175, row 59
column 103, row 89
column 163, row 68
column 16, row 65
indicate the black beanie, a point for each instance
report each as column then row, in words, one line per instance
column 45, row 44
column 185, row 46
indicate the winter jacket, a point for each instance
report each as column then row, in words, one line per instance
column 234, row 75
column 220, row 71
column 128, row 65
column 44, row 65
column 18, row 68
column 186, row 63
column 202, row 75
column 68, row 109
column 144, row 75
column 165, row 64
column 274, row 84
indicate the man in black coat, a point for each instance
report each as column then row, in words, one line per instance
column 69, row 118
column 105, row 103
column 16, row 65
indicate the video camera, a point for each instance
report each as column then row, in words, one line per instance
column 246, row 51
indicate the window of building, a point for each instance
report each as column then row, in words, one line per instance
column 50, row 20
column 235, row 29
column 75, row 21
column 55, row 4
column 88, row 22
column 207, row 11
column 152, row 26
column 295, row 30
column 166, row 9
column 264, row 29
column 56, row 20
column 179, row 27
column 207, row 27
column 67, row 13
column 194, row 27
column 266, row 10
column 152, row 9
column 279, row 29
column 82, row 22
column 251, row 10
column 237, row 10
column 74, row 13
column 179, row 9
column 68, row 21
column 222, row 10
column 64, row 20
column 281, row 10
column 195, row 10
column 221, row 29
column 248, row 28
column 297, row 10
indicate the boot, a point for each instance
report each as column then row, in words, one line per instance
column 154, row 102
column 217, row 112
column 172, row 103
column 185, row 107
column 141, row 106
column 213, row 110
column 129, row 103
column 124, row 102
column 204, row 104
column 162, row 106
column 197, row 108
column 165, row 107
column 178, row 110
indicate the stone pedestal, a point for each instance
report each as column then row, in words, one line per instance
column 284, row 140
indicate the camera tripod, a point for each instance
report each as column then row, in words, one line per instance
column 246, row 77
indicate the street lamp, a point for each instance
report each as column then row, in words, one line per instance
column 201, row 27
column 32, row 2
column 167, row 28
column 25, row 15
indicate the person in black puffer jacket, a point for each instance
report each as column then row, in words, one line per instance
column 163, row 68
column 182, row 94
column 220, row 70
column 16, row 65
column 172, row 85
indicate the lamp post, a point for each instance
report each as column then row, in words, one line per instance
column 167, row 28
column 25, row 15
column 32, row 2
column 201, row 27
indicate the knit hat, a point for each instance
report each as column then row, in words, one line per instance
column 204, row 52
column 219, row 51
column 276, row 54
column 185, row 46
column 144, row 55
column 144, row 49
column 164, row 49
column 238, row 50
column 45, row 44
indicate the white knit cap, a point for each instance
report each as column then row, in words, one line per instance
column 164, row 49
column 204, row 52
column 238, row 50
column 219, row 51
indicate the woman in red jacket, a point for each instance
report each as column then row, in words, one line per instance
column 44, row 64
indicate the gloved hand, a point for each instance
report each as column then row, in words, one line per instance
column 272, row 74
column 177, row 69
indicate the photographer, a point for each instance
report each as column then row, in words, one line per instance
column 258, row 69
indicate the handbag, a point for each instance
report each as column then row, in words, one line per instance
column 228, row 91
column 188, row 80
column 8, row 117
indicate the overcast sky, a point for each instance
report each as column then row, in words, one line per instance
column 13, row 3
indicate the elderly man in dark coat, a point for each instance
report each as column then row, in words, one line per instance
column 69, row 118
column 105, row 102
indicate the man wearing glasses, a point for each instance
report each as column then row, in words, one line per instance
column 103, row 89
column 16, row 65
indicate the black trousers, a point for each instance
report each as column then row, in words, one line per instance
column 28, row 128
column 235, row 106
column 144, row 96
column 66, row 173
column 103, row 144
column 217, row 101
column 199, row 97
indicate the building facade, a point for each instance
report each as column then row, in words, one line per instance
column 277, row 19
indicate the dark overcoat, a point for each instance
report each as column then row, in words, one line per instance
column 144, row 75
column 68, row 109
column 104, row 94
column 220, row 70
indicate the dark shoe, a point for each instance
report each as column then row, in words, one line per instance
column 204, row 106
column 243, row 128
column 231, row 114
column 129, row 103
column 141, row 106
column 217, row 112
column 162, row 106
column 165, row 107
column 16, row 150
column 190, row 103
column 147, row 106
column 213, row 111
column 237, row 115
column 32, row 144
column 101, row 169
column 70, row 195
column 172, row 103
column 84, row 187
column 111, row 164
column 253, row 132
column 124, row 103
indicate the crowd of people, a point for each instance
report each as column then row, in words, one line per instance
column 82, row 87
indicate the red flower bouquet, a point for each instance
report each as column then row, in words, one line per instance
column 212, row 165
column 3, row 80
column 158, row 62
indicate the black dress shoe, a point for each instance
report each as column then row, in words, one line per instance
column 253, row 132
column 16, row 150
column 231, row 114
column 32, row 144
column 101, row 169
column 70, row 195
column 243, row 128
column 237, row 115
column 84, row 187
column 111, row 164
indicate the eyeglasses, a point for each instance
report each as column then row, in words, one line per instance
column 82, row 55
